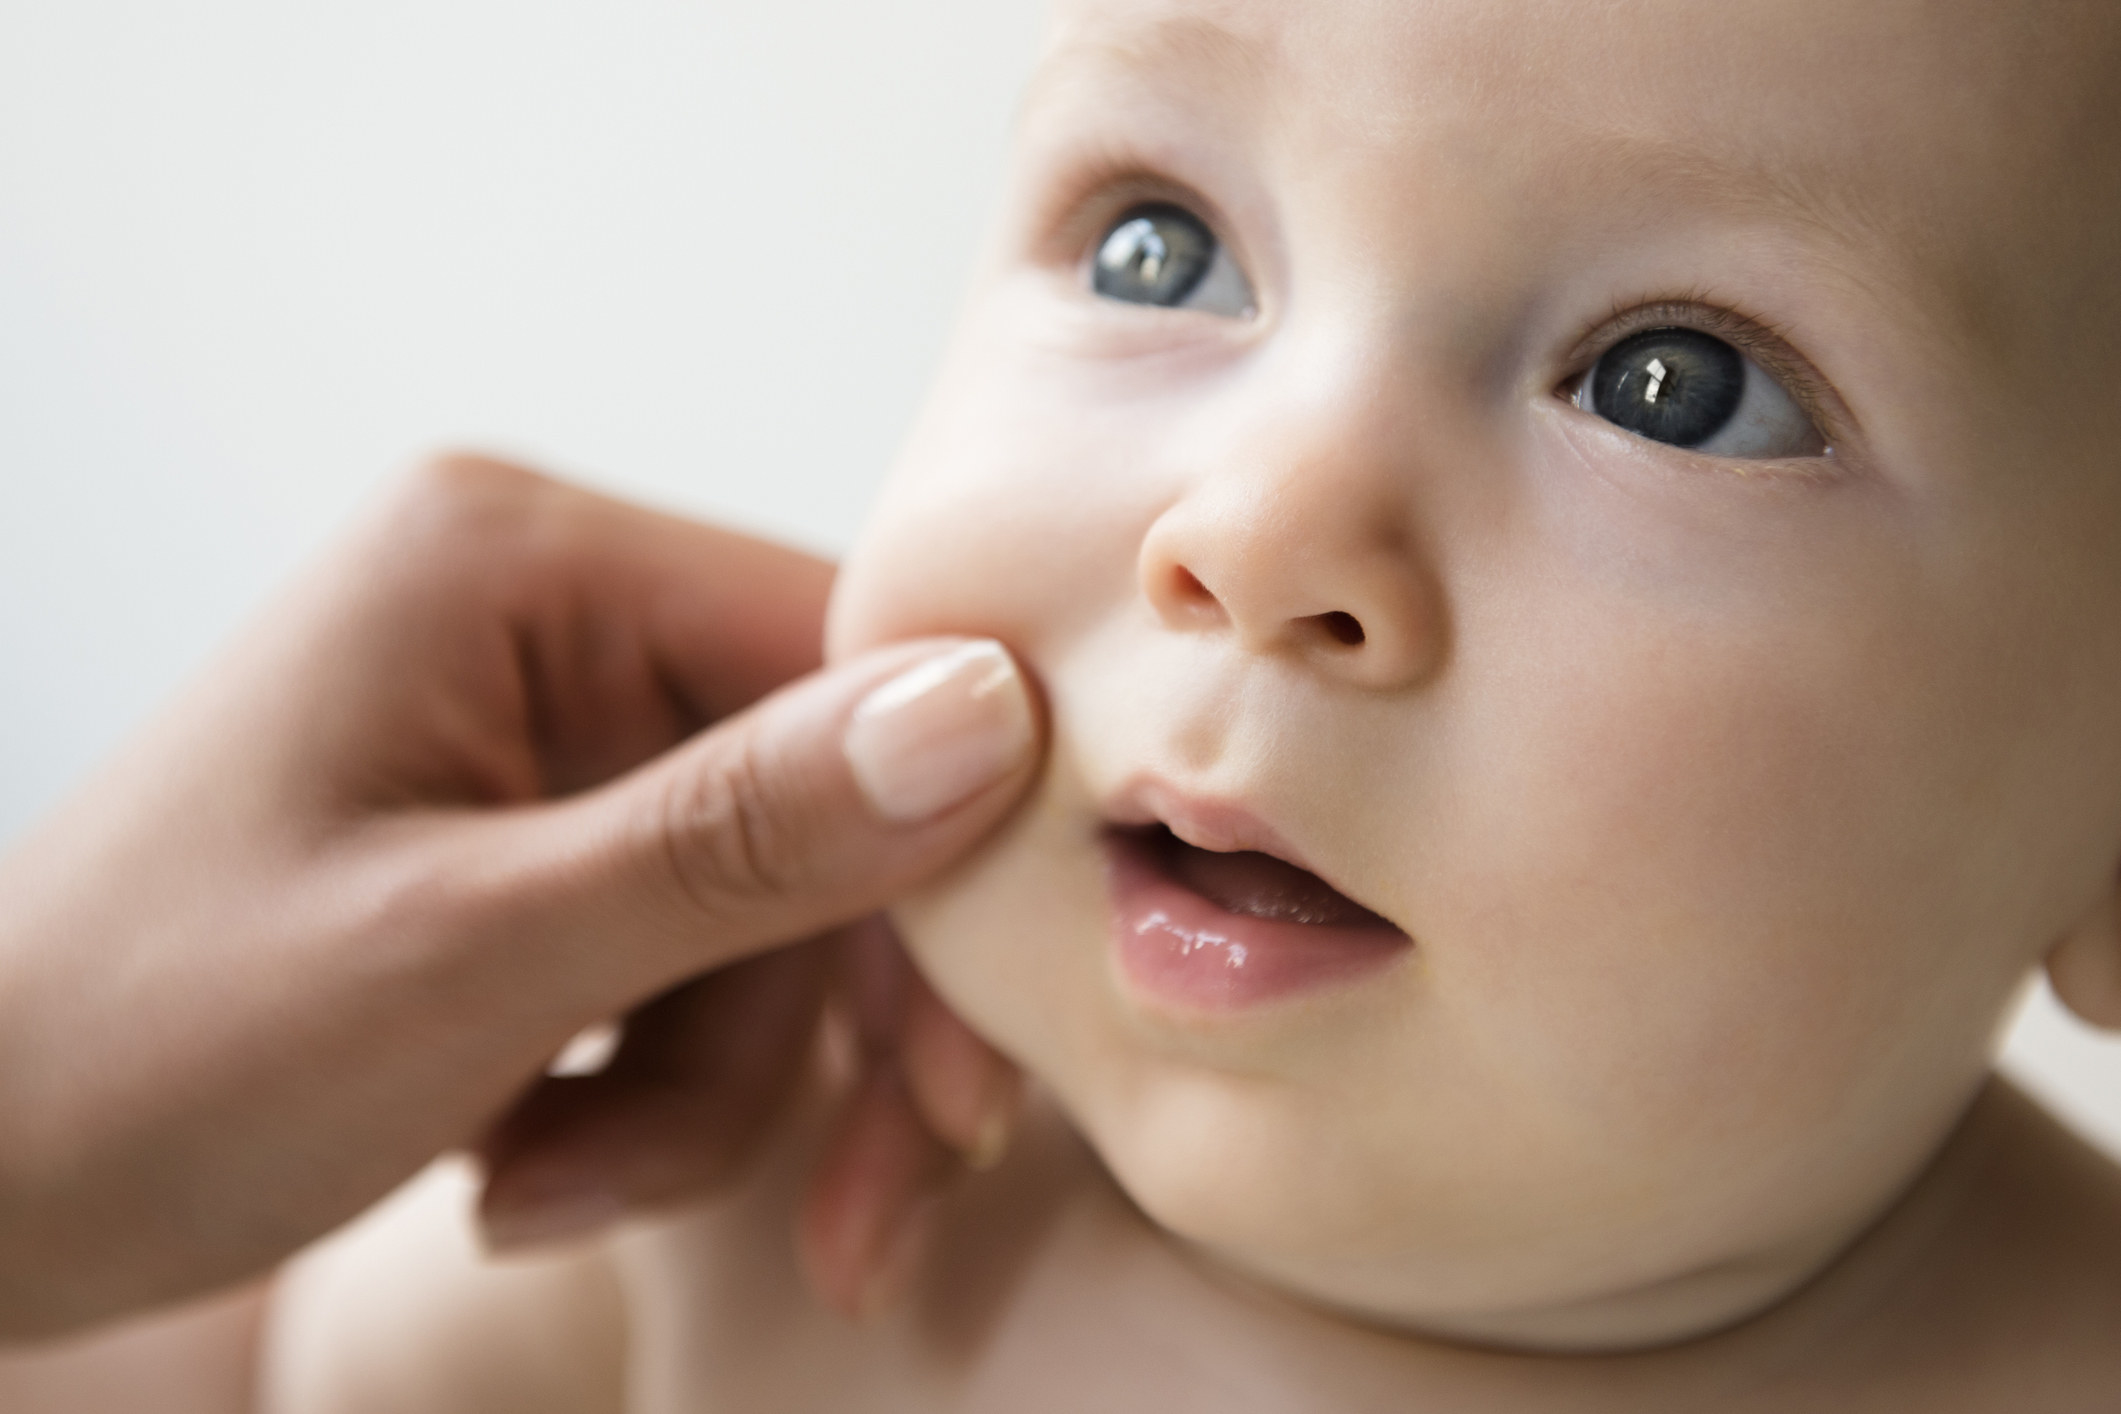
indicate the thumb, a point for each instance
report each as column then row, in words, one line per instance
column 812, row 807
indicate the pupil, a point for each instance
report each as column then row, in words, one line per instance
column 1678, row 386
column 1155, row 255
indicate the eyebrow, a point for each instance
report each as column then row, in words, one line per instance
column 1650, row 168
column 1746, row 184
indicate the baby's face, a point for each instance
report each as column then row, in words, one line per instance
column 1621, row 502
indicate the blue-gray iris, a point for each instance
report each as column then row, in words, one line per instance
column 1679, row 386
column 1153, row 255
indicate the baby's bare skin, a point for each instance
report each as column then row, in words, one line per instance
column 1049, row 1292
column 1727, row 797
column 1990, row 1286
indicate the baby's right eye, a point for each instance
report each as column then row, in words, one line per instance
column 1165, row 255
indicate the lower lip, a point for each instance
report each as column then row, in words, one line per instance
column 1192, row 955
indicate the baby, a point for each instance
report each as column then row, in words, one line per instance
column 1575, row 555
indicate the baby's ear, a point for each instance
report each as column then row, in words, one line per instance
column 2085, row 965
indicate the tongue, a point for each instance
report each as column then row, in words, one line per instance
column 1264, row 887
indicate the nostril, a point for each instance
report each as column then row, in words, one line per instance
column 1341, row 627
column 1181, row 598
column 1187, row 588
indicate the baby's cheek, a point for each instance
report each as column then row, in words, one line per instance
column 1009, row 513
column 1012, row 938
column 945, row 557
column 1719, row 908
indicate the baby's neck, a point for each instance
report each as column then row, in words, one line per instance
column 1994, row 1283
column 2000, row 1268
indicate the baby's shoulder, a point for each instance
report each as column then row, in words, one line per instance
column 402, row 1311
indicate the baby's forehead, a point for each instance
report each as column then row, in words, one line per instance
column 1979, row 144
column 1804, row 67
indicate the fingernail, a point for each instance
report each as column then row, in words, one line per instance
column 992, row 1142
column 997, row 1126
column 515, row 1225
column 940, row 732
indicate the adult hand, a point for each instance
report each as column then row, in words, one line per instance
column 451, row 802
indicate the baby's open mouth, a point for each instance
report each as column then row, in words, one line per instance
column 1202, row 930
column 1254, row 884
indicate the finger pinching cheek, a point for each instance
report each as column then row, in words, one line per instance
column 941, row 732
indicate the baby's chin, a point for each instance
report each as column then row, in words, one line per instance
column 1264, row 1226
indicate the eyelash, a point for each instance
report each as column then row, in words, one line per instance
column 1757, row 339
column 1076, row 216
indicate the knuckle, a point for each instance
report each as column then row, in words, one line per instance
column 465, row 524
column 455, row 477
column 460, row 498
column 460, row 481
column 732, row 834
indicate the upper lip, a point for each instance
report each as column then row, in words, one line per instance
column 1213, row 823
column 1205, row 822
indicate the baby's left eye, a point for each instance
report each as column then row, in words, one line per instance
column 1689, row 389
column 1165, row 255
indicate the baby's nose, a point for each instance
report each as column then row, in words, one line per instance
column 1312, row 566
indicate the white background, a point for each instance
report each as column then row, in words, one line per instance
column 256, row 257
